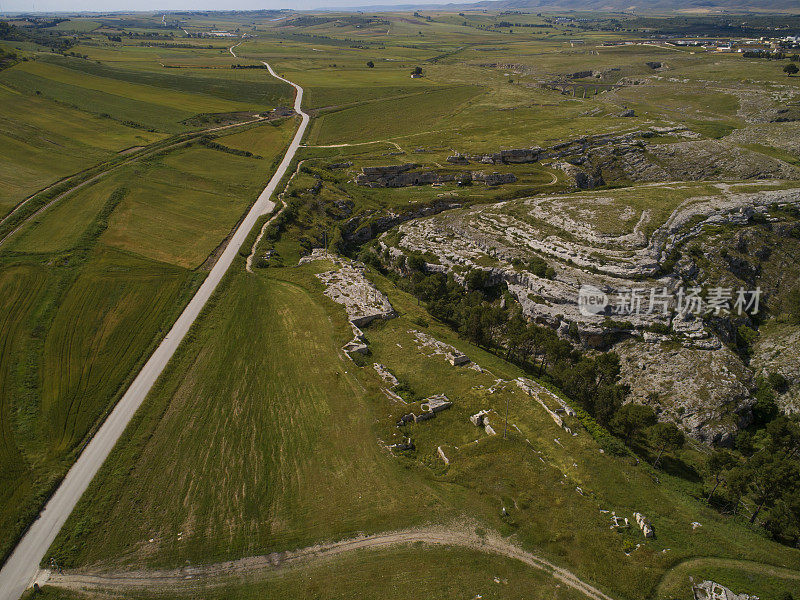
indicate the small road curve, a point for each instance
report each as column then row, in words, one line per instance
column 22, row 566
column 259, row 567
column 234, row 46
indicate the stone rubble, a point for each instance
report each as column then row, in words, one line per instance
column 645, row 525
column 451, row 354
column 560, row 230
column 711, row 590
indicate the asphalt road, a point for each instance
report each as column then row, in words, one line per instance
column 22, row 567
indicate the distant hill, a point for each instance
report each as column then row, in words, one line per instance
column 642, row 5
column 732, row 6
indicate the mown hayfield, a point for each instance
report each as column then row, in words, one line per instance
column 185, row 203
column 146, row 105
column 76, row 25
column 101, row 330
column 20, row 291
column 261, row 90
column 409, row 115
column 267, row 141
column 60, row 227
column 262, row 436
column 67, row 349
column 44, row 141
column 106, row 297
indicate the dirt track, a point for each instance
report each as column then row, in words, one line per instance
column 261, row 567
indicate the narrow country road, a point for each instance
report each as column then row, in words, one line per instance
column 23, row 565
column 259, row 567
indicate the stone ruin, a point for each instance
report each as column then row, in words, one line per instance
column 481, row 419
column 385, row 374
column 430, row 406
column 443, row 456
column 535, row 390
column 619, row 522
column 405, row 175
column 363, row 301
column 710, row 590
column 645, row 525
column 406, row 444
column 436, row 403
column 453, row 356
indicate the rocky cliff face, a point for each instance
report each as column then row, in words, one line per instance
column 395, row 176
column 690, row 365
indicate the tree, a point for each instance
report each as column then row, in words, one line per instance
column 719, row 462
column 784, row 437
column 769, row 478
column 666, row 436
column 765, row 409
column 417, row 70
column 791, row 69
column 416, row 262
column 631, row 420
column 371, row 64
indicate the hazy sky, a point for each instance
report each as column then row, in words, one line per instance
column 148, row 5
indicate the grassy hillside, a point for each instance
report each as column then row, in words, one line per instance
column 308, row 468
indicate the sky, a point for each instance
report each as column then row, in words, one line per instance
column 151, row 5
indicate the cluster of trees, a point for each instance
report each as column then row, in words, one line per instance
column 536, row 265
column 761, row 476
column 770, row 55
column 51, row 39
column 8, row 59
column 209, row 142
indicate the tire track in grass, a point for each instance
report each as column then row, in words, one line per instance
column 262, row 567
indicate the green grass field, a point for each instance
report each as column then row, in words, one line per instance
column 94, row 282
column 309, row 447
column 262, row 436
column 308, row 468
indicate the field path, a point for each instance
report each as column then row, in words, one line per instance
column 22, row 566
column 260, row 567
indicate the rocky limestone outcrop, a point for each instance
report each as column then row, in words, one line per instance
column 348, row 286
column 688, row 371
column 395, row 176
